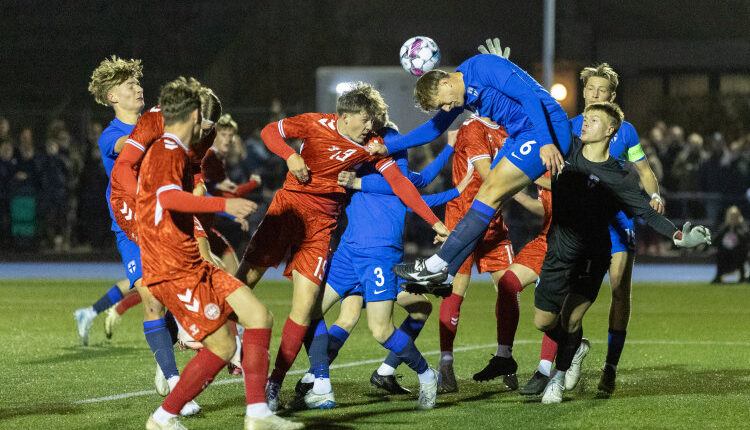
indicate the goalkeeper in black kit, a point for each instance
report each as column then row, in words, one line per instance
column 586, row 196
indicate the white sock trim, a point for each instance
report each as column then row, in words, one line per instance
column 435, row 264
column 386, row 370
column 258, row 410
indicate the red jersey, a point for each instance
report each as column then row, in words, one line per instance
column 476, row 140
column 326, row 152
column 213, row 168
column 168, row 246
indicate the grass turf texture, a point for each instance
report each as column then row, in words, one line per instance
column 686, row 364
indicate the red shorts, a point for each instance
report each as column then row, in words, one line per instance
column 218, row 243
column 123, row 208
column 493, row 253
column 298, row 225
column 532, row 254
column 198, row 300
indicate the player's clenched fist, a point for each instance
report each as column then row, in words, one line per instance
column 239, row 208
column 298, row 168
column 377, row 148
column 442, row 232
column 349, row 180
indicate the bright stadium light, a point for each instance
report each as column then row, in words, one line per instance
column 559, row 92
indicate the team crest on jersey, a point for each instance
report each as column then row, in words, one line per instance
column 212, row 311
column 593, row 180
column 473, row 91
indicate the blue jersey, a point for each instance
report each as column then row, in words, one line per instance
column 376, row 215
column 624, row 146
column 498, row 89
column 107, row 141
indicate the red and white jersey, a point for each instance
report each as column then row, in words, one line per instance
column 476, row 140
column 150, row 126
column 326, row 152
column 166, row 238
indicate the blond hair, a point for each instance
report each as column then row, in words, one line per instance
column 364, row 97
column 227, row 123
column 602, row 70
column 112, row 72
column 612, row 110
column 427, row 88
column 178, row 99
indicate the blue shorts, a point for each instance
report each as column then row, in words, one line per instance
column 622, row 234
column 366, row 272
column 131, row 257
column 523, row 150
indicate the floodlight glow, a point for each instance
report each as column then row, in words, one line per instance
column 559, row 92
column 343, row 87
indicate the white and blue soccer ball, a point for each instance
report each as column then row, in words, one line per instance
column 419, row 55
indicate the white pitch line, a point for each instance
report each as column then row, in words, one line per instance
column 379, row 360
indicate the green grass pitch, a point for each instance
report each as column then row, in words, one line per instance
column 686, row 365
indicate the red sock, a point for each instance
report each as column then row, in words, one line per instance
column 255, row 360
column 291, row 341
column 506, row 308
column 450, row 309
column 127, row 302
column 196, row 376
column 549, row 349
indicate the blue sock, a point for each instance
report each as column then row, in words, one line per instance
column 171, row 326
column 401, row 344
column 108, row 300
column 412, row 328
column 615, row 343
column 464, row 237
column 157, row 336
column 319, row 351
column 336, row 338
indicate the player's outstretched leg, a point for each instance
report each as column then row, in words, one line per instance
column 507, row 314
column 541, row 375
column 380, row 321
column 419, row 308
column 85, row 316
column 257, row 320
column 320, row 396
column 620, row 275
column 305, row 297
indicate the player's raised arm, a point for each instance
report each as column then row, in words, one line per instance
column 273, row 138
column 425, row 133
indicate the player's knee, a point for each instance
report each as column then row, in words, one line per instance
column 420, row 311
column 381, row 333
column 543, row 321
column 225, row 349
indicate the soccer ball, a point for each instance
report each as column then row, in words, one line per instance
column 419, row 55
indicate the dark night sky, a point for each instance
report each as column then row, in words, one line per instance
column 250, row 52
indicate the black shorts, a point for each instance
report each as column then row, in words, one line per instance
column 560, row 278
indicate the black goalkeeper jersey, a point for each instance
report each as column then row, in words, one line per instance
column 586, row 196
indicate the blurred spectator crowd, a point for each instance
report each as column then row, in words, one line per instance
column 54, row 185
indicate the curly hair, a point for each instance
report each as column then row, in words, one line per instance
column 427, row 88
column 178, row 99
column 112, row 72
column 602, row 70
column 364, row 97
column 227, row 123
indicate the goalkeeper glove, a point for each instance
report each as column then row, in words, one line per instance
column 494, row 48
column 692, row 237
